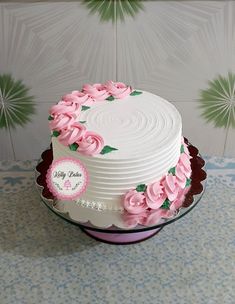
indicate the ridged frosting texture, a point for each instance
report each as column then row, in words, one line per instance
column 145, row 129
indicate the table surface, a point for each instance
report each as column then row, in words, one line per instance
column 44, row 259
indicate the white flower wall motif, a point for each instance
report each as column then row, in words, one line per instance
column 218, row 101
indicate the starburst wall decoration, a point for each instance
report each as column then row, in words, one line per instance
column 218, row 101
column 114, row 9
column 16, row 105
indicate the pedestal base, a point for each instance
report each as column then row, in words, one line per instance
column 121, row 238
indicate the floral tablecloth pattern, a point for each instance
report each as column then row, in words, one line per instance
column 44, row 259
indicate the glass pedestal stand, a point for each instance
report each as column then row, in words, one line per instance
column 113, row 234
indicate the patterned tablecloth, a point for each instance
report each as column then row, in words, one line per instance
column 44, row 259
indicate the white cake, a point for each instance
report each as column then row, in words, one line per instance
column 146, row 130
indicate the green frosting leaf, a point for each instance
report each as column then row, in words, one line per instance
column 141, row 188
column 107, row 149
column 73, row 147
column 84, row 108
column 182, row 149
column 110, row 98
column 188, row 182
column 134, row 93
column 50, row 117
column 82, row 121
column 166, row 204
column 55, row 133
column 172, row 171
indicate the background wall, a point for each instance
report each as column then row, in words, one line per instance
column 170, row 48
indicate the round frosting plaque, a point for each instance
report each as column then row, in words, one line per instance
column 67, row 178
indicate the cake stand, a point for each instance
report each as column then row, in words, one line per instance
column 113, row 231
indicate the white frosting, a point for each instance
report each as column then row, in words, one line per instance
column 146, row 130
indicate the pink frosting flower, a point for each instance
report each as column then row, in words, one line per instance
column 147, row 217
column 134, row 202
column 171, row 187
column 61, row 121
column 63, row 107
column 71, row 135
column 77, row 97
column 177, row 203
column 186, row 151
column 155, row 216
column 155, row 195
column 185, row 164
column 131, row 220
column 90, row 144
column 96, row 91
column 118, row 89
column 180, row 175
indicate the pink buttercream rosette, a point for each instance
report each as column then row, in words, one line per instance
column 96, row 91
column 73, row 134
column 62, row 121
column 118, row 89
column 65, row 107
column 147, row 207
column 77, row 98
column 90, row 144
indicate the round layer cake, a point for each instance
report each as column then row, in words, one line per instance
column 141, row 140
